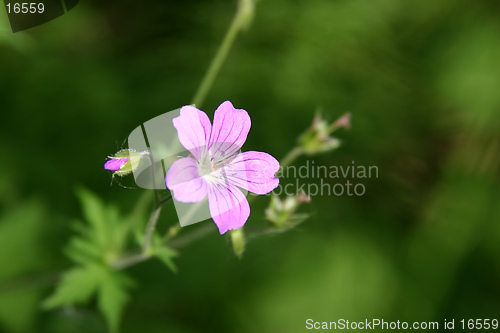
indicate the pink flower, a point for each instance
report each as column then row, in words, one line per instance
column 215, row 168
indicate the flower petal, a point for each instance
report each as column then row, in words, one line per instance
column 228, row 206
column 229, row 132
column 253, row 171
column 115, row 164
column 184, row 180
column 193, row 128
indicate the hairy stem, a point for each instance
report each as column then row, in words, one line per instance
column 151, row 226
column 150, row 229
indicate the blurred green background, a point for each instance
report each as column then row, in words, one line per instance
column 422, row 80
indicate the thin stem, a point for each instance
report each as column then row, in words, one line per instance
column 265, row 231
column 153, row 179
column 291, row 156
column 151, row 226
column 128, row 261
column 163, row 201
column 150, row 229
column 188, row 238
column 176, row 242
column 218, row 59
column 147, row 244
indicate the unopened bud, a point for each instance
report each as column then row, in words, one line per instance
column 238, row 241
column 317, row 138
column 303, row 197
column 124, row 162
column 343, row 122
column 281, row 213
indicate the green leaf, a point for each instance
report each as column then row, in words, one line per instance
column 107, row 232
column 113, row 297
column 76, row 287
column 80, row 284
column 166, row 255
column 83, row 251
column 95, row 214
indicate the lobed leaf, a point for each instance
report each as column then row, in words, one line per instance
column 76, row 287
column 166, row 255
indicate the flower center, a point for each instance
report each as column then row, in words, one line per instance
column 212, row 171
column 205, row 168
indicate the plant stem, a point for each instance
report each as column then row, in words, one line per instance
column 291, row 156
column 128, row 261
column 176, row 242
column 153, row 178
column 188, row 238
column 163, row 201
column 151, row 226
column 218, row 59
column 150, row 229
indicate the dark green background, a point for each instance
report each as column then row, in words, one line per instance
column 422, row 80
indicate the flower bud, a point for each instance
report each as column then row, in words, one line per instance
column 124, row 162
column 238, row 241
column 343, row 122
column 281, row 213
column 317, row 138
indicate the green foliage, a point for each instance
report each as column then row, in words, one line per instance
column 107, row 231
column 100, row 241
column 113, row 297
column 77, row 286
column 166, row 255
column 80, row 284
